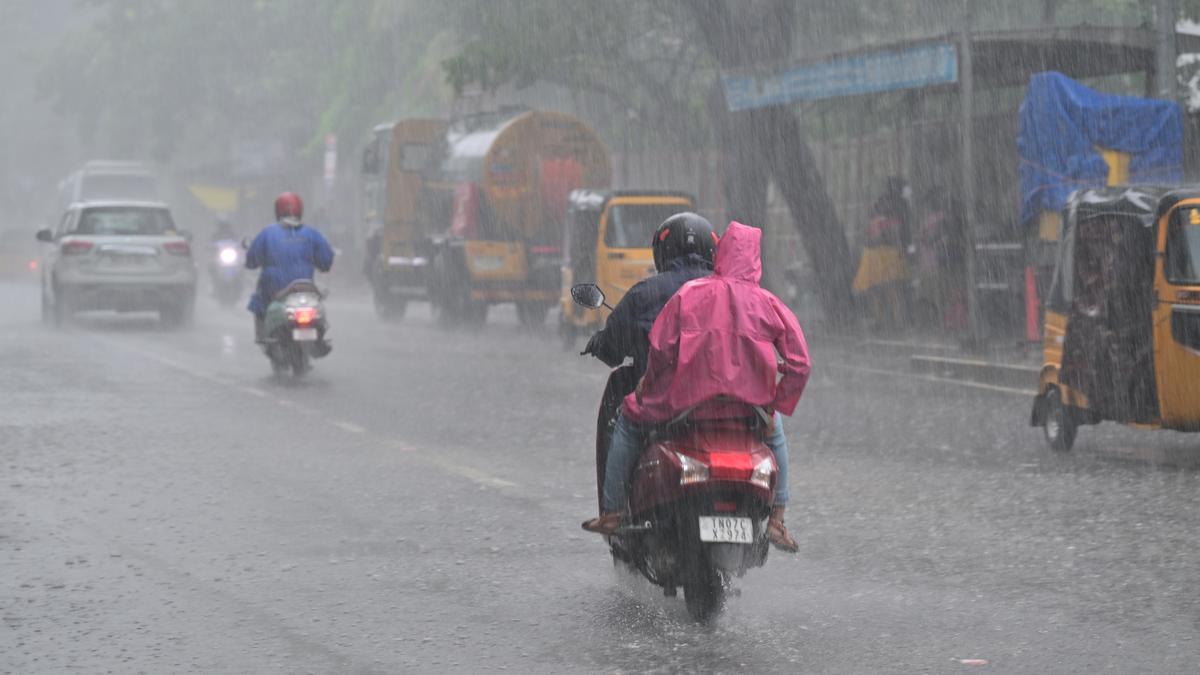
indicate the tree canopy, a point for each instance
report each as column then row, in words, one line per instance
column 154, row 77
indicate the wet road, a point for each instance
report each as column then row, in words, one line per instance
column 413, row 506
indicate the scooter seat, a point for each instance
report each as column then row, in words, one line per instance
column 298, row 286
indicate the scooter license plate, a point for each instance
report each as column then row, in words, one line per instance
column 304, row 334
column 726, row 529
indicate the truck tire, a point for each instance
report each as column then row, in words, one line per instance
column 450, row 294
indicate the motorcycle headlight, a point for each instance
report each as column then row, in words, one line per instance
column 228, row 256
column 761, row 476
column 691, row 470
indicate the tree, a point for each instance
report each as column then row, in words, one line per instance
column 635, row 54
column 662, row 59
column 162, row 78
column 770, row 142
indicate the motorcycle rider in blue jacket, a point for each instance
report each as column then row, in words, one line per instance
column 286, row 251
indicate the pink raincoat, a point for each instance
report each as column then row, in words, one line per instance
column 719, row 336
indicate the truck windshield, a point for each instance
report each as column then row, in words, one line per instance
column 633, row 225
column 1183, row 247
column 118, row 186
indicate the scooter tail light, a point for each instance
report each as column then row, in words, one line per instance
column 304, row 315
column 76, row 247
column 691, row 470
column 763, row 474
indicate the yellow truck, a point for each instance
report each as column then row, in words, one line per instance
column 399, row 211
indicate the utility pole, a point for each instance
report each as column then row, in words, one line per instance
column 1166, row 13
column 966, row 101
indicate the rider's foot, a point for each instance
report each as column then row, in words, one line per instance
column 605, row 524
column 778, row 534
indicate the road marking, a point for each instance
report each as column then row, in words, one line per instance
column 349, row 427
column 470, row 473
column 933, row 378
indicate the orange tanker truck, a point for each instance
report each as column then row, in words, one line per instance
column 473, row 211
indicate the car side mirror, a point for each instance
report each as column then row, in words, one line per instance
column 587, row 295
column 45, row 235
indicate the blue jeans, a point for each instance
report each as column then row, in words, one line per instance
column 627, row 444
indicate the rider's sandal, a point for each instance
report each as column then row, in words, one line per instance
column 604, row 524
column 778, row 534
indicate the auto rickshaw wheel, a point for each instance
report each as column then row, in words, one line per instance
column 1058, row 423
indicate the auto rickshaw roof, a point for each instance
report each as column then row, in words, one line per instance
column 1145, row 203
column 595, row 200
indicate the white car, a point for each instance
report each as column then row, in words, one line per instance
column 123, row 255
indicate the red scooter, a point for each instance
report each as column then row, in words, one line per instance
column 699, row 497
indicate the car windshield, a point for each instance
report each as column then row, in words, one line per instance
column 1183, row 247
column 633, row 225
column 118, row 186
column 125, row 220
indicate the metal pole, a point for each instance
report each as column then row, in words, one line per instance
column 966, row 93
column 1166, row 12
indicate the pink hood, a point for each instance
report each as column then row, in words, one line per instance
column 719, row 336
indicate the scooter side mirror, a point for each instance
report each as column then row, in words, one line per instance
column 246, row 243
column 587, row 295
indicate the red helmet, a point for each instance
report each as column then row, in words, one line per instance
column 289, row 208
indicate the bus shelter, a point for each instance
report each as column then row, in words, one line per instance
column 942, row 112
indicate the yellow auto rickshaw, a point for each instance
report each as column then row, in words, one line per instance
column 1122, row 320
column 606, row 241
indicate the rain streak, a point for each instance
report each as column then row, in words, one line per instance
column 556, row 336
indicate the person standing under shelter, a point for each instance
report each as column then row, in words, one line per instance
column 883, row 274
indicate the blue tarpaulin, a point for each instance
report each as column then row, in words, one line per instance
column 1062, row 125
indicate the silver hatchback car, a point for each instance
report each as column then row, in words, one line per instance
column 126, row 256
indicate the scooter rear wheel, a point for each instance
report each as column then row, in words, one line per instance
column 298, row 361
column 704, row 593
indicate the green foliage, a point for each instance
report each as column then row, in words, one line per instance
column 157, row 77
column 163, row 77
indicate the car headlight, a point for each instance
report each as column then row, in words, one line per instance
column 691, row 470
column 761, row 476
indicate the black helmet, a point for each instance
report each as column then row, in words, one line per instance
column 681, row 234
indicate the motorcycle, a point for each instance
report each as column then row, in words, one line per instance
column 295, row 327
column 225, row 270
column 699, row 497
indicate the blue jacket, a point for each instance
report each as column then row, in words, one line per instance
column 627, row 331
column 285, row 254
